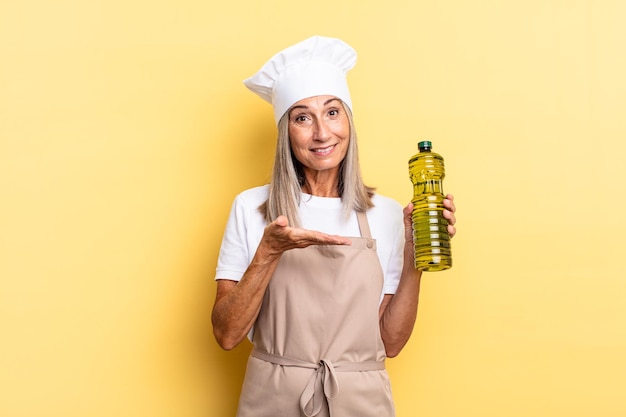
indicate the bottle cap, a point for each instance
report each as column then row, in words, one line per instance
column 424, row 146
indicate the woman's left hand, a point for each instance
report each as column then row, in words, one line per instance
column 448, row 213
column 398, row 311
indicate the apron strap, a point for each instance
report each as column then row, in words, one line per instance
column 323, row 382
column 364, row 226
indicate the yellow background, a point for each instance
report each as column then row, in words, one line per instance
column 125, row 133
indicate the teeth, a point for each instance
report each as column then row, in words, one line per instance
column 323, row 150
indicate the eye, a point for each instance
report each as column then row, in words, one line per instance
column 333, row 112
column 300, row 118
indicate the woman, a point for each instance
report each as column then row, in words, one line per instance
column 315, row 268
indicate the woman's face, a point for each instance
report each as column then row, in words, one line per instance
column 319, row 132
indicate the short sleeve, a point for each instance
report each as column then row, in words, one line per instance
column 242, row 234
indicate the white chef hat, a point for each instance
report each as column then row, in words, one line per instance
column 314, row 67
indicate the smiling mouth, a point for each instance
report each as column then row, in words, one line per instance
column 324, row 151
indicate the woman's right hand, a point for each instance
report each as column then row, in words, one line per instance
column 279, row 237
column 237, row 304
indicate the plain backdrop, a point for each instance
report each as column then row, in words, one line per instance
column 125, row 133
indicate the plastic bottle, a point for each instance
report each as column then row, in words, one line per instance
column 430, row 228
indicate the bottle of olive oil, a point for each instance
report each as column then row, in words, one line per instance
column 430, row 228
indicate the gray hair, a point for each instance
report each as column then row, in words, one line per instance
column 287, row 179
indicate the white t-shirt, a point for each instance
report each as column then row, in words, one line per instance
column 245, row 227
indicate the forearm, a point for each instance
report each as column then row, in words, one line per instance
column 399, row 315
column 237, row 304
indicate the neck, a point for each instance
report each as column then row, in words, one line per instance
column 321, row 183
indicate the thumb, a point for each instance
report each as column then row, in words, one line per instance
column 408, row 209
column 408, row 212
column 281, row 221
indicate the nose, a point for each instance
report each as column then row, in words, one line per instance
column 321, row 130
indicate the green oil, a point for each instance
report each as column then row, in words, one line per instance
column 430, row 229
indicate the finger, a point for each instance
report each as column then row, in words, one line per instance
column 303, row 238
column 341, row 240
column 451, row 230
column 324, row 239
column 448, row 203
column 449, row 216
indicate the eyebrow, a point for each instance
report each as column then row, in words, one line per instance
column 302, row 106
